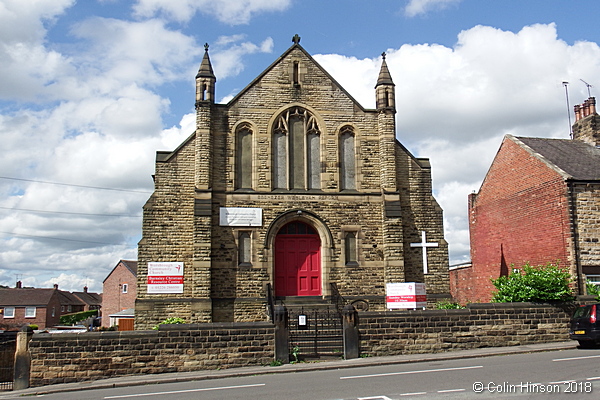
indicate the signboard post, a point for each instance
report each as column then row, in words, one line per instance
column 405, row 295
column 165, row 277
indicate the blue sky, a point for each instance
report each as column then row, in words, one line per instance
column 90, row 90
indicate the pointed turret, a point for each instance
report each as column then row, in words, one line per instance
column 385, row 91
column 205, row 80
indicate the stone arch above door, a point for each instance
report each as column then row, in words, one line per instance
column 326, row 242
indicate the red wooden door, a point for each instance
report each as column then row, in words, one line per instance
column 297, row 264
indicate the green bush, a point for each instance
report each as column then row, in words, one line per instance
column 170, row 320
column 72, row 319
column 447, row 305
column 593, row 290
column 539, row 284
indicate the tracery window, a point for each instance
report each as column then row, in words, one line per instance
column 296, row 151
column 347, row 159
column 243, row 163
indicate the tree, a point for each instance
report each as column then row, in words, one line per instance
column 537, row 284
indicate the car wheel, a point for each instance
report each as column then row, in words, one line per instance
column 586, row 344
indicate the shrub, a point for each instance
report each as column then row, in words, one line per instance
column 447, row 305
column 170, row 320
column 72, row 319
column 593, row 290
column 538, row 284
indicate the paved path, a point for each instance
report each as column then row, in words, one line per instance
column 137, row 380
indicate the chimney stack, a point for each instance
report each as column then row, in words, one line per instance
column 56, row 286
column 85, row 289
column 587, row 122
column 19, row 285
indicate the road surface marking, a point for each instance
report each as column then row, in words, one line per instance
column 575, row 358
column 451, row 390
column 184, row 391
column 410, row 372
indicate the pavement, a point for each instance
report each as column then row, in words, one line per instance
column 139, row 380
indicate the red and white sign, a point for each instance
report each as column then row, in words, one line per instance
column 165, row 277
column 405, row 295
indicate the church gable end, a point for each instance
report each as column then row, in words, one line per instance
column 291, row 185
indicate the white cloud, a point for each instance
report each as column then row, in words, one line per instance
column 227, row 59
column 227, row 11
column 420, row 7
column 454, row 105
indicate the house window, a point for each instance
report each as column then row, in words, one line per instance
column 243, row 162
column 124, row 288
column 69, row 309
column 244, row 249
column 53, row 311
column 350, row 248
column 30, row 312
column 347, row 159
column 9, row 312
column 296, row 151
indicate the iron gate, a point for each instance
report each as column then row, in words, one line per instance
column 8, row 346
column 315, row 333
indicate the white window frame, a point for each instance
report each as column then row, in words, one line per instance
column 8, row 314
column 29, row 313
column 124, row 288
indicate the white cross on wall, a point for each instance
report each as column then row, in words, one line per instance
column 424, row 245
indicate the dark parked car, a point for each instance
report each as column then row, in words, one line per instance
column 585, row 325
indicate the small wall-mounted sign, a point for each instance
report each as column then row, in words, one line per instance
column 240, row 216
column 165, row 277
column 302, row 321
column 405, row 295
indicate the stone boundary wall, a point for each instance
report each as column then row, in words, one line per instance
column 74, row 357
column 61, row 358
column 479, row 325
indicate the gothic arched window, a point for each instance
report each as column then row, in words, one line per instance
column 347, row 159
column 243, row 160
column 296, row 151
column 244, row 248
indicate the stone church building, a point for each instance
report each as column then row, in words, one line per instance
column 294, row 187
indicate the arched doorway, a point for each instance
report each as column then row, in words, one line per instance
column 297, row 260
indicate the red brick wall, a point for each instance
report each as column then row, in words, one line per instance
column 520, row 215
column 113, row 298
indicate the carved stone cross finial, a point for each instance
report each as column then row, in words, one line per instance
column 383, row 55
column 296, row 39
column 206, row 47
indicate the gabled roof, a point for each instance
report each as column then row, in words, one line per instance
column 92, row 299
column 576, row 159
column 26, row 297
column 296, row 45
column 68, row 299
column 129, row 264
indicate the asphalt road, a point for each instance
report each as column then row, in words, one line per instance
column 566, row 374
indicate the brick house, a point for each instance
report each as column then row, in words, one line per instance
column 29, row 306
column 292, row 185
column 92, row 301
column 539, row 203
column 118, row 291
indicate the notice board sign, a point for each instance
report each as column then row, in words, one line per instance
column 240, row 216
column 405, row 295
column 165, row 277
